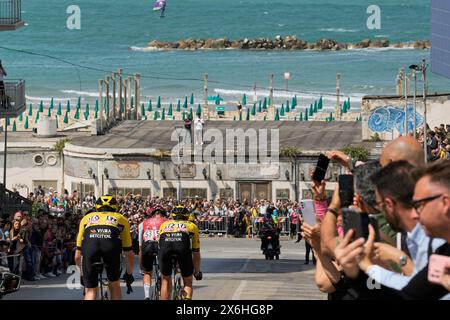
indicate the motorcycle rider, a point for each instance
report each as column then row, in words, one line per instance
column 269, row 228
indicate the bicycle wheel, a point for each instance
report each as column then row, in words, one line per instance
column 177, row 287
column 156, row 283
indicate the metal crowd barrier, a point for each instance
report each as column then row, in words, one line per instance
column 213, row 225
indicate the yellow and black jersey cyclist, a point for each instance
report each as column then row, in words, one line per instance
column 101, row 237
column 179, row 237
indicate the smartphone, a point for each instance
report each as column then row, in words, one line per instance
column 346, row 192
column 308, row 211
column 358, row 221
column 438, row 266
column 321, row 168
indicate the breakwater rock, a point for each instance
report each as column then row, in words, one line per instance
column 281, row 43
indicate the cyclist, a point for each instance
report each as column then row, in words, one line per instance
column 148, row 244
column 179, row 237
column 103, row 235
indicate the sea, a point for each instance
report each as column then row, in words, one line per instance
column 65, row 63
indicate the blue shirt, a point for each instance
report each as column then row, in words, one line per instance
column 417, row 242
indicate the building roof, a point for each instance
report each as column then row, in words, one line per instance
column 156, row 135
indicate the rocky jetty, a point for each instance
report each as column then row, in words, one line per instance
column 281, row 43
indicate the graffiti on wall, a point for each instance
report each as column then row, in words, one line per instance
column 386, row 119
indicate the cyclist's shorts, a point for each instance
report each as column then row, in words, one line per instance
column 178, row 244
column 94, row 251
column 149, row 252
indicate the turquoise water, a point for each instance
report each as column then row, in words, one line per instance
column 113, row 32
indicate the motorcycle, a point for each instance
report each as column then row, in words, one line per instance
column 9, row 282
column 270, row 244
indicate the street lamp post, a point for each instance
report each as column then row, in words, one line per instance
column 287, row 76
column 423, row 69
column 414, row 101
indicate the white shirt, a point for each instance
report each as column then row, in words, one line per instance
column 417, row 242
column 199, row 124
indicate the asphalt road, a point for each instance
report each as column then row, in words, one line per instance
column 233, row 269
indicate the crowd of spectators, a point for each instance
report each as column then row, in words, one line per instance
column 408, row 204
column 438, row 142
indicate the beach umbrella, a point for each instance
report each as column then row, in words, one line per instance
column 77, row 114
column 59, row 112
column 191, row 116
column 259, row 107
column 320, row 105
column 79, row 102
column 270, row 102
column 311, row 111
column 344, row 107
column 155, row 115
column 104, row 105
column 348, row 103
column 295, row 118
column 163, row 114
column 185, row 104
column 218, row 99
column 294, row 103
column 66, row 118
column 52, row 104
column 158, row 104
column 191, row 102
column 282, row 110
column 86, row 115
column 331, row 116
column 7, row 121
column 132, row 102
column 244, row 99
column 142, row 109
column 149, row 109
column 30, row 110
column 183, row 115
column 169, row 113
column 21, row 117
column 49, row 113
column 178, row 105
column 68, row 106
column 277, row 116
column 301, row 116
column 254, row 110
column 25, row 126
column 199, row 109
column 96, row 115
column 315, row 107
column 265, row 103
column 287, row 106
column 240, row 116
column 87, row 108
column 37, row 117
column 247, row 116
column 41, row 106
column 306, row 114
column 122, row 108
column 96, row 106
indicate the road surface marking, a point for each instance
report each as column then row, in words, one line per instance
column 240, row 288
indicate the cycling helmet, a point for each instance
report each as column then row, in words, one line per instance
column 157, row 209
column 107, row 204
column 180, row 213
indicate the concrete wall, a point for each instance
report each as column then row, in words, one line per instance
column 24, row 167
column 386, row 115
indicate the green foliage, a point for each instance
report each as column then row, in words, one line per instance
column 357, row 153
column 290, row 152
column 59, row 146
column 375, row 137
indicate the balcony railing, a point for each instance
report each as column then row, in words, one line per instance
column 12, row 99
column 10, row 14
column 10, row 202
